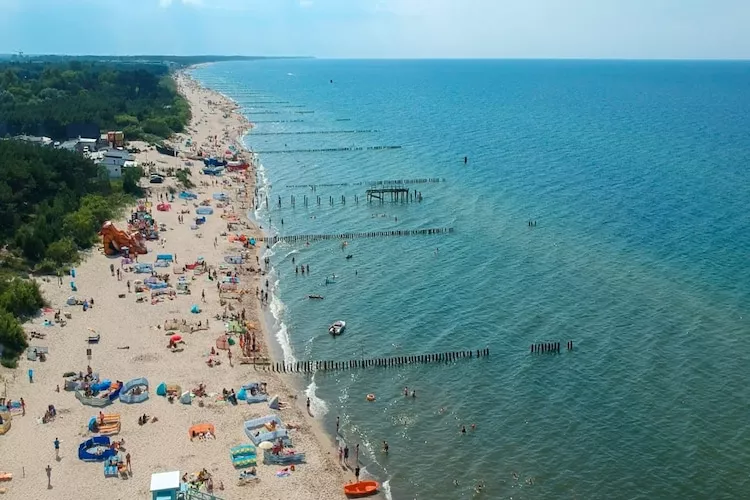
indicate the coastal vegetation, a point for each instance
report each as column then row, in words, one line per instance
column 52, row 98
column 53, row 201
column 52, row 204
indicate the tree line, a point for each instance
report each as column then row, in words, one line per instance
column 46, row 98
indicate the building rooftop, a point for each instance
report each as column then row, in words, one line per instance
column 165, row 481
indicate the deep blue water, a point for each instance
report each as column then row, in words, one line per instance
column 637, row 176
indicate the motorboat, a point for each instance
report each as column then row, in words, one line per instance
column 337, row 328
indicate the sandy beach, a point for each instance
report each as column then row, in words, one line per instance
column 134, row 343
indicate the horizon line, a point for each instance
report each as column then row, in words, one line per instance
column 389, row 58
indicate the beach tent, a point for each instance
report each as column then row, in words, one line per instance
column 274, row 403
column 204, row 210
column 186, row 398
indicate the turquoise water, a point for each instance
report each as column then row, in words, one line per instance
column 637, row 176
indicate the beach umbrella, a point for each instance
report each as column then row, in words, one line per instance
column 265, row 445
column 175, row 338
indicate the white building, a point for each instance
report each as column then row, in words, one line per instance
column 115, row 160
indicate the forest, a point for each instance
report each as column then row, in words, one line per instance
column 45, row 98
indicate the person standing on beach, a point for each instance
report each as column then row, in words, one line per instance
column 49, row 477
column 356, row 472
column 57, row 448
column 346, row 454
column 127, row 462
column 23, row 408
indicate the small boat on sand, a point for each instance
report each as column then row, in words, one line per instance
column 337, row 328
column 315, row 297
column 361, row 489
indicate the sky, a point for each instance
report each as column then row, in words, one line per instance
column 628, row 29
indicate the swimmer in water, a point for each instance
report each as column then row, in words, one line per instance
column 463, row 429
column 455, row 482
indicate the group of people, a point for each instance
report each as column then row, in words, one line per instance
column 229, row 395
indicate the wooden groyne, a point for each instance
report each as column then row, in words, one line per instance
column 313, row 132
column 550, row 347
column 276, row 121
column 327, row 150
column 313, row 366
column 405, row 195
column 349, row 236
column 429, row 180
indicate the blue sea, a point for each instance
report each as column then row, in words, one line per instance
column 637, row 177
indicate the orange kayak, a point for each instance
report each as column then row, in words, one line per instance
column 361, row 489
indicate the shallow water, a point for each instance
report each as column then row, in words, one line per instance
column 636, row 174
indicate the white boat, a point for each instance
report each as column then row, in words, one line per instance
column 337, row 328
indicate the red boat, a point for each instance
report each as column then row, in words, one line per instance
column 361, row 489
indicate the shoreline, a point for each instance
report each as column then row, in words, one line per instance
column 327, row 439
column 133, row 345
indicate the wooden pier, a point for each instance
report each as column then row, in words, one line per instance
column 313, row 366
column 397, row 194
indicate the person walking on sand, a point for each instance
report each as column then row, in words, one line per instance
column 203, row 295
column 23, row 408
column 127, row 462
column 49, row 477
column 56, row 442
